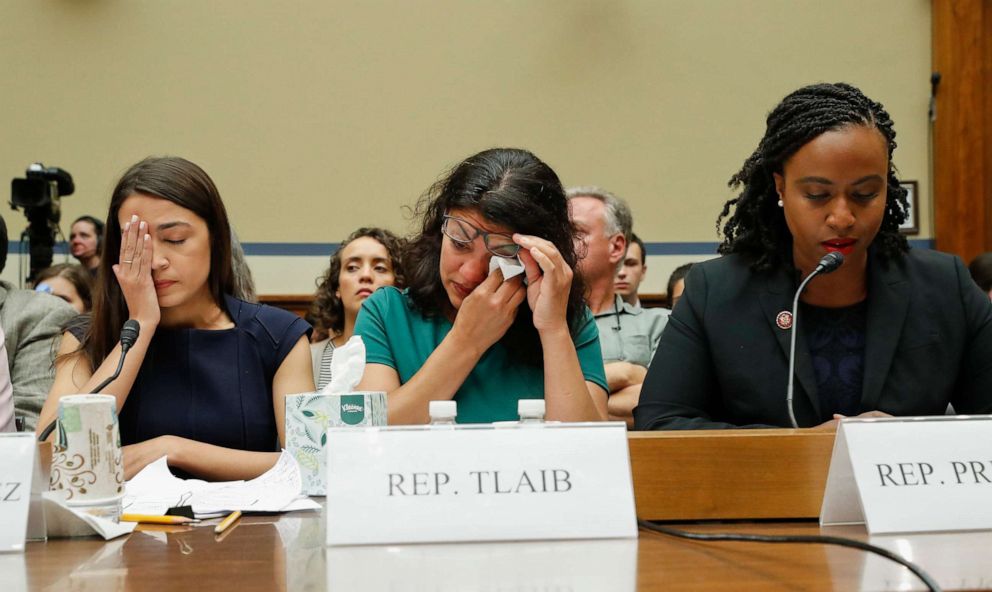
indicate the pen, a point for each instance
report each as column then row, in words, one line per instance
column 227, row 522
column 149, row 519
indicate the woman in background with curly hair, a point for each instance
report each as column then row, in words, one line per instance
column 893, row 331
column 366, row 261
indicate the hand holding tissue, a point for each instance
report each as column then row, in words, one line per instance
column 510, row 266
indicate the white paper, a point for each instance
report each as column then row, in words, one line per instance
column 911, row 474
column 155, row 489
column 17, row 461
column 65, row 521
column 396, row 485
column 511, row 267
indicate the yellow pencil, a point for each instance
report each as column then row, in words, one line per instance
column 228, row 521
column 149, row 519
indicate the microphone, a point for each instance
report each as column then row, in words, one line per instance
column 129, row 335
column 828, row 264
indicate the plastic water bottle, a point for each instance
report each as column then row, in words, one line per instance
column 443, row 413
column 531, row 411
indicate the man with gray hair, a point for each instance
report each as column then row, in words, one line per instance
column 628, row 335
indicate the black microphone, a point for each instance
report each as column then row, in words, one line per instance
column 129, row 335
column 828, row 263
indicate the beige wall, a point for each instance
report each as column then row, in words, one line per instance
column 315, row 117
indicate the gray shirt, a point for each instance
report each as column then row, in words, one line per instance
column 33, row 323
column 630, row 333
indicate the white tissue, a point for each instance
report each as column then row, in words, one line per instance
column 510, row 267
column 347, row 367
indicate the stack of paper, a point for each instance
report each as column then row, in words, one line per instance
column 155, row 489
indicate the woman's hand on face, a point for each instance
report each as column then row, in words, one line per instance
column 549, row 281
column 134, row 273
column 485, row 315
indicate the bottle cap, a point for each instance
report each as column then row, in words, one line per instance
column 442, row 409
column 530, row 408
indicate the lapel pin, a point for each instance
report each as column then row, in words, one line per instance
column 784, row 320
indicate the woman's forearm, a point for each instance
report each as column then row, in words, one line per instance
column 566, row 394
column 215, row 463
column 439, row 378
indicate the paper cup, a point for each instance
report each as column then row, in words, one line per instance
column 87, row 461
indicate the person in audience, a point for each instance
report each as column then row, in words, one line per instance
column 892, row 331
column 981, row 271
column 86, row 242
column 628, row 335
column 244, row 282
column 68, row 282
column 631, row 271
column 32, row 322
column 460, row 331
column 205, row 382
column 676, row 285
column 366, row 261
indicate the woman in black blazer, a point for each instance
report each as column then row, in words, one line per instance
column 893, row 331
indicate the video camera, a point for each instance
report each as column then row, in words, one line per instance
column 39, row 195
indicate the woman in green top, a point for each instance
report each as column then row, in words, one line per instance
column 460, row 332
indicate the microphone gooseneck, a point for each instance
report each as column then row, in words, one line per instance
column 828, row 264
column 129, row 335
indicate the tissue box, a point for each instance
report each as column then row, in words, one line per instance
column 308, row 416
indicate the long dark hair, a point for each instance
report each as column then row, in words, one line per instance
column 327, row 310
column 509, row 187
column 184, row 184
column 757, row 226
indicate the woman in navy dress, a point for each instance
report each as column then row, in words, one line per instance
column 205, row 382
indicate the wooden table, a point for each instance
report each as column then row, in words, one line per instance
column 770, row 481
column 286, row 553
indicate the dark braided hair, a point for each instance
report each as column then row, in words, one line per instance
column 757, row 226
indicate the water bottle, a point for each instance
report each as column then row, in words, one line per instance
column 443, row 413
column 531, row 411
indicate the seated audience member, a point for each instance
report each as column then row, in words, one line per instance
column 981, row 272
column 244, row 282
column 68, row 282
column 32, row 323
column 631, row 271
column 86, row 242
column 628, row 335
column 676, row 285
column 366, row 261
column 6, row 389
column 460, row 331
column 205, row 382
column 892, row 331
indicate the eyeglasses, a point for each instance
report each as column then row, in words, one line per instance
column 464, row 232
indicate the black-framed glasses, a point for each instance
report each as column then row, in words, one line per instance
column 463, row 232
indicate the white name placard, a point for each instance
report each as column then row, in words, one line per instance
column 911, row 474
column 478, row 483
column 16, row 464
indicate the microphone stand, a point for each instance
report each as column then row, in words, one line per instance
column 830, row 262
column 129, row 335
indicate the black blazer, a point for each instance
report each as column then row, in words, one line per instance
column 723, row 362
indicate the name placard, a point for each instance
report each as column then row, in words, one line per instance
column 16, row 465
column 478, row 483
column 911, row 474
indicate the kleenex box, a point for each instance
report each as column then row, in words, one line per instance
column 308, row 416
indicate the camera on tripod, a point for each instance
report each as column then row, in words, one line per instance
column 39, row 195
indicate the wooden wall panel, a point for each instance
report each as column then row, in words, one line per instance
column 962, row 54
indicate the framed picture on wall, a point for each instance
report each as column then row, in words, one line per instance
column 912, row 223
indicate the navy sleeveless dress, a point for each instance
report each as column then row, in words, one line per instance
column 213, row 386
